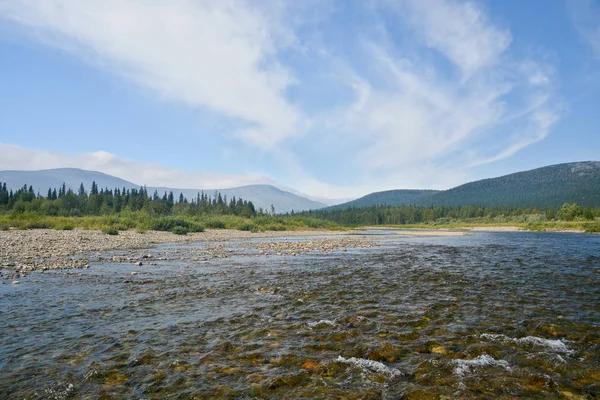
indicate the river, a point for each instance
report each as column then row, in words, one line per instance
column 488, row 315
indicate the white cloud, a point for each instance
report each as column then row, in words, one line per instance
column 215, row 54
column 422, row 116
column 459, row 30
column 150, row 174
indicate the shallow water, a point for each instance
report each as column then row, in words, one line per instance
column 490, row 315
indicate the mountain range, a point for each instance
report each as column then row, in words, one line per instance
column 262, row 196
column 549, row 186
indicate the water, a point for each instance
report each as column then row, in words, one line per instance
column 491, row 315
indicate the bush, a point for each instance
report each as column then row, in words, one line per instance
column 169, row 223
column 592, row 228
column 179, row 230
column 249, row 227
column 214, row 224
column 64, row 226
column 275, row 227
column 42, row 224
column 110, row 230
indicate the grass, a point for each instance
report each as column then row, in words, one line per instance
column 533, row 222
column 142, row 222
column 109, row 230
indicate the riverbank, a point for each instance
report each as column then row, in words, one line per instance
column 566, row 227
column 24, row 251
column 42, row 249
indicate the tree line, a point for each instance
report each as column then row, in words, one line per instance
column 412, row 214
column 64, row 201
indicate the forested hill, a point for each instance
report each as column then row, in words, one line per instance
column 389, row 198
column 550, row 186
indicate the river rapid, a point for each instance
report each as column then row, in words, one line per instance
column 489, row 315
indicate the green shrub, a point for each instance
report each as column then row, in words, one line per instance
column 214, row 224
column 168, row 223
column 275, row 227
column 249, row 227
column 179, row 230
column 110, row 230
column 64, row 226
column 592, row 228
column 40, row 224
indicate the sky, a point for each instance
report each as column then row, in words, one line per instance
column 331, row 98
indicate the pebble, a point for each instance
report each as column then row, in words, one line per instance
column 24, row 251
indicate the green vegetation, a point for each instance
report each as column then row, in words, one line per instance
column 116, row 210
column 387, row 198
column 109, row 230
column 569, row 216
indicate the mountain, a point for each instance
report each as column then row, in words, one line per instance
column 389, row 198
column 552, row 186
column 54, row 178
column 262, row 196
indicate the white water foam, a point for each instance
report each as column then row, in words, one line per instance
column 321, row 322
column 558, row 346
column 61, row 391
column 464, row 367
column 370, row 366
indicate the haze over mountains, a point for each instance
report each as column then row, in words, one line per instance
column 550, row 186
column 262, row 196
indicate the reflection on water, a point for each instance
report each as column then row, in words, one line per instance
column 491, row 315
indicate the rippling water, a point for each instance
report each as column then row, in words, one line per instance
column 491, row 315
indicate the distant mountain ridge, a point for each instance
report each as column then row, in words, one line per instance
column 262, row 196
column 396, row 197
column 549, row 186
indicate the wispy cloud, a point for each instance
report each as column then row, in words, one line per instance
column 151, row 174
column 215, row 54
column 487, row 106
column 421, row 112
column 459, row 30
column 586, row 17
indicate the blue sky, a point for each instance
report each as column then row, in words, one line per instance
column 334, row 99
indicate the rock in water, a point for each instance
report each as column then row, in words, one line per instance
column 16, row 282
